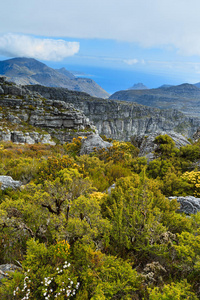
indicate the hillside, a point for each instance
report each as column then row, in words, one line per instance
column 30, row 71
column 184, row 97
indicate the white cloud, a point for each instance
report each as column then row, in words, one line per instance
column 12, row 45
column 130, row 62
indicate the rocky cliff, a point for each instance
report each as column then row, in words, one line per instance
column 120, row 119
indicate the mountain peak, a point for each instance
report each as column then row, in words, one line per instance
column 138, row 86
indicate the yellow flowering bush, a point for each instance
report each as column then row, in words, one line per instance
column 193, row 179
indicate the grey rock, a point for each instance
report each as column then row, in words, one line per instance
column 188, row 205
column 92, row 142
column 8, row 182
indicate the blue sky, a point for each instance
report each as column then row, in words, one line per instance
column 151, row 41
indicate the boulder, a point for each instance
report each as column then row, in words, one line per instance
column 93, row 142
column 188, row 205
column 8, row 182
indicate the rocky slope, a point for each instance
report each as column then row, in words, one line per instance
column 30, row 71
column 184, row 97
column 27, row 117
column 62, row 114
column 123, row 120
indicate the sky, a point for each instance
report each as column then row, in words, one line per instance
column 115, row 42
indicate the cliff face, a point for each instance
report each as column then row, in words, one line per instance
column 122, row 120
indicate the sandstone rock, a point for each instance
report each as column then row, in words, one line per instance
column 8, row 182
column 92, row 142
column 189, row 204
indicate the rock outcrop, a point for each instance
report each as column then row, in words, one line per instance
column 188, row 205
column 8, row 182
column 93, row 142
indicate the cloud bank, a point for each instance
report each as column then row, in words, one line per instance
column 15, row 45
column 150, row 23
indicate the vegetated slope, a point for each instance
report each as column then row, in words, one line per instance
column 184, row 97
column 30, row 71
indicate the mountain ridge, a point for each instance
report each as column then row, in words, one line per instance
column 184, row 97
column 26, row 71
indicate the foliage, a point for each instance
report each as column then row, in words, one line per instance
column 179, row 290
column 77, row 238
column 193, row 180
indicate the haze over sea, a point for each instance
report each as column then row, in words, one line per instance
column 113, row 80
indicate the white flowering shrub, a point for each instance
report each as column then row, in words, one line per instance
column 46, row 274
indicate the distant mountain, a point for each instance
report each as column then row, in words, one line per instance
column 197, row 84
column 26, row 71
column 138, row 86
column 164, row 86
column 184, row 97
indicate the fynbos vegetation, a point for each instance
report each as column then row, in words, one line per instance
column 74, row 238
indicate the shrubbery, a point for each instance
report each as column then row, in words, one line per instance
column 76, row 240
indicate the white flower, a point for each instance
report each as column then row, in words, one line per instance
column 77, row 285
column 45, row 293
